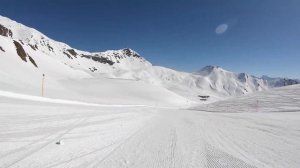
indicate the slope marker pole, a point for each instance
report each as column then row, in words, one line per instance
column 43, row 81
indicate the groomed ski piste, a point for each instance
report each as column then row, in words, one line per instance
column 258, row 130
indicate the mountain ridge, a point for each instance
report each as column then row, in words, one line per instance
column 60, row 61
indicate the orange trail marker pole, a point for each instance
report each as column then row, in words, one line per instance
column 43, row 81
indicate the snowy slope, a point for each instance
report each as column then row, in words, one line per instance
column 279, row 82
column 114, row 109
column 37, row 42
column 26, row 54
column 233, row 83
column 232, row 133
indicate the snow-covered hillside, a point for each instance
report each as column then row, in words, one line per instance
column 115, row 109
column 26, row 54
column 279, row 82
column 233, row 83
column 236, row 133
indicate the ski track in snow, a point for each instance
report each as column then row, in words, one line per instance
column 224, row 134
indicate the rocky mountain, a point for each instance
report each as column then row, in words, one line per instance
column 279, row 82
column 26, row 54
column 233, row 83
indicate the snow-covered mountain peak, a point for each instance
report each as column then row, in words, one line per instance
column 20, row 31
column 210, row 69
column 126, row 52
column 243, row 77
column 33, row 43
column 278, row 82
column 26, row 54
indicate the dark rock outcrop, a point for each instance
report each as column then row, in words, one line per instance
column 32, row 61
column 20, row 51
column 50, row 48
column 72, row 52
column 34, row 47
column 243, row 77
column 5, row 31
column 68, row 55
column 130, row 53
column 100, row 59
column 93, row 69
column 22, row 54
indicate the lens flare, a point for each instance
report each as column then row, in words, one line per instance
column 222, row 28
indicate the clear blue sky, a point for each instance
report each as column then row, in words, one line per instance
column 262, row 36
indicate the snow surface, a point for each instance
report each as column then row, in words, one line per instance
column 115, row 109
column 234, row 133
